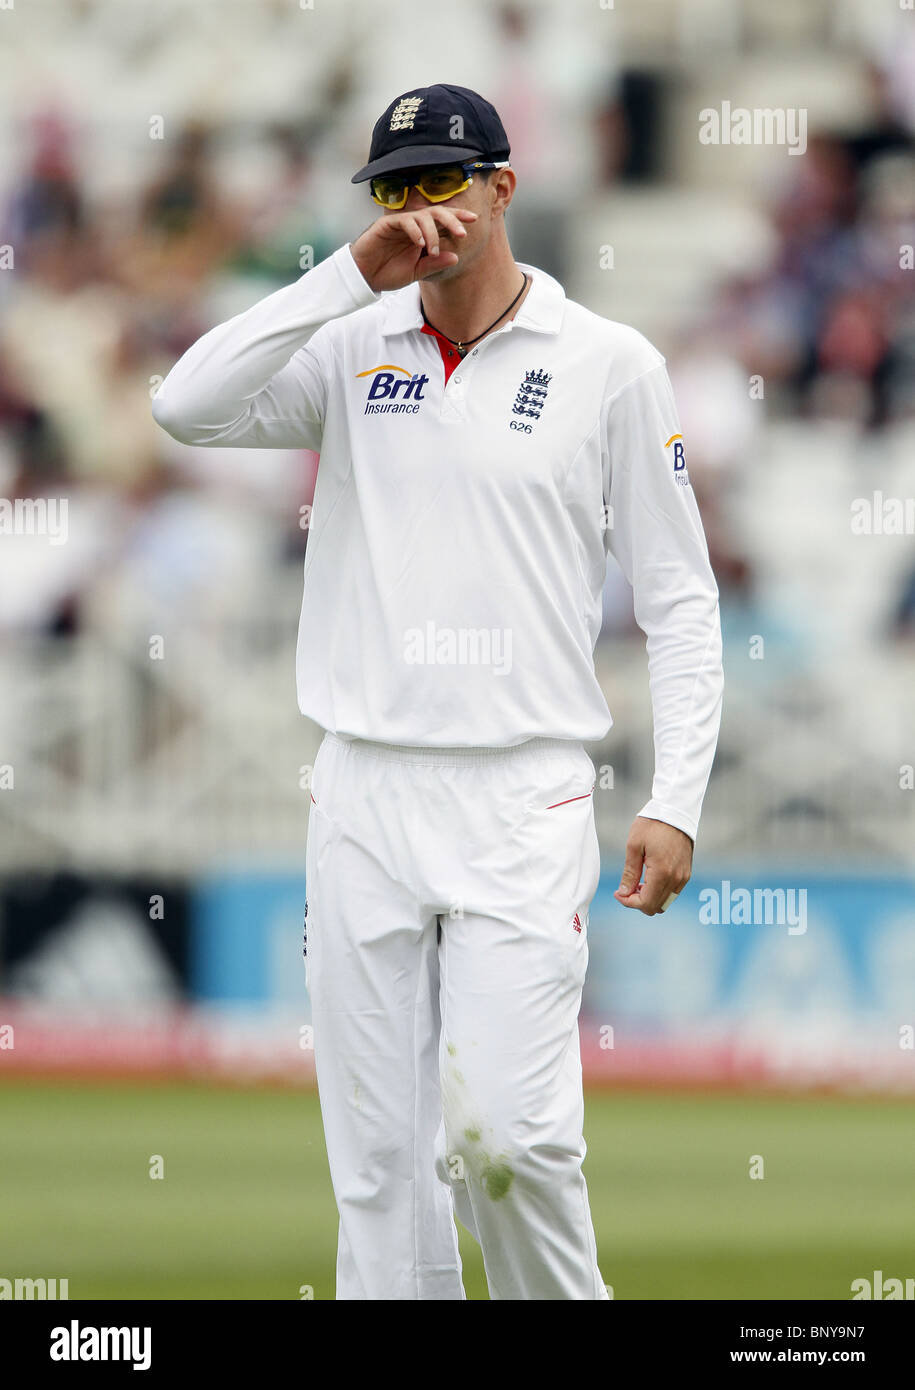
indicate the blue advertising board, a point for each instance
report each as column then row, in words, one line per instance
column 765, row 952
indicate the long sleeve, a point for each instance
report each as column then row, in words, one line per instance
column 257, row 381
column 656, row 535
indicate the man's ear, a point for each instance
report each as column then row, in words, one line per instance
column 503, row 195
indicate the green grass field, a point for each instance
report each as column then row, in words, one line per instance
column 245, row 1209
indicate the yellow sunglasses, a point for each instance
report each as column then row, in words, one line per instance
column 435, row 184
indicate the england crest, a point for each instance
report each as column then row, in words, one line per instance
column 531, row 395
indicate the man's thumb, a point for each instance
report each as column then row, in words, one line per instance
column 632, row 870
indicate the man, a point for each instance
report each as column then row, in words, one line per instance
column 484, row 442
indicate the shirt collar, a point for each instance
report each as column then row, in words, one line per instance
column 541, row 311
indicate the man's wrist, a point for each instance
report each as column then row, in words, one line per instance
column 361, row 265
column 671, row 815
column 660, row 820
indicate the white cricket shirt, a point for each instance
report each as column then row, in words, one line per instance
column 459, row 535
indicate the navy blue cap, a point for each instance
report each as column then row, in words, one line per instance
column 420, row 128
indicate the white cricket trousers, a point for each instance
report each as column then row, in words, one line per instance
column 448, row 894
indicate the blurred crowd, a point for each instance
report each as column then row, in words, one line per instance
column 824, row 331
column 107, row 288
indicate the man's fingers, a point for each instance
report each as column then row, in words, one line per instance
column 657, row 893
column 633, row 900
column 632, row 871
column 421, row 226
column 427, row 231
column 665, row 853
column 657, row 888
column 652, row 895
column 432, row 224
column 434, row 221
column 429, row 264
column 649, row 897
column 402, row 246
column 451, row 218
column 410, row 226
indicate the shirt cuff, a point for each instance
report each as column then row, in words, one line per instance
column 656, row 810
column 352, row 277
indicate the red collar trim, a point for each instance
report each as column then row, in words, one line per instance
column 450, row 355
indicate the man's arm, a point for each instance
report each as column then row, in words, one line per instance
column 252, row 381
column 657, row 537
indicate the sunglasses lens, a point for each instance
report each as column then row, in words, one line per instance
column 391, row 190
column 441, row 183
column 388, row 191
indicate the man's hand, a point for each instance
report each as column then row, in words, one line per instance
column 405, row 246
column 667, row 855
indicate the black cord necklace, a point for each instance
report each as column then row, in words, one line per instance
column 462, row 346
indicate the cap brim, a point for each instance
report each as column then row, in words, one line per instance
column 414, row 157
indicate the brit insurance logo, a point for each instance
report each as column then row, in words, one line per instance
column 393, row 390
column 680, row 474
column 530, row 399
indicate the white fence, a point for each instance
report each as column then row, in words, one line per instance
column 113, row 761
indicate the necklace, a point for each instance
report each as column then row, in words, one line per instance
column 462, row 346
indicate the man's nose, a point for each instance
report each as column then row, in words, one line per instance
column 415, row 201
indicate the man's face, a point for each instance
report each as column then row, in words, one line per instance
column 481, row 197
